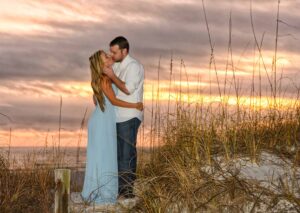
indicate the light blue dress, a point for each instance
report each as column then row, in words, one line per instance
column 101, row 173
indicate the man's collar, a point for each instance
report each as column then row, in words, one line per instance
column 118, row 66
column 125, row 61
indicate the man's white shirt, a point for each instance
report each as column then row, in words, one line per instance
column 131, row 72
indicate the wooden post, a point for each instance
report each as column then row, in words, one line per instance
column 62, row 190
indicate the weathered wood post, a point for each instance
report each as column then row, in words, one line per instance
column 62, row 190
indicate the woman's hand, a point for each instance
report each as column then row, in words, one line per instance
column 109, row 72
column 140, row 106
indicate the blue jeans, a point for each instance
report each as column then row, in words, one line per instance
column 127, row 155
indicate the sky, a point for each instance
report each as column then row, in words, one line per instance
column 45, row 46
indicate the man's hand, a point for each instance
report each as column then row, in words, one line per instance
column 109, row 72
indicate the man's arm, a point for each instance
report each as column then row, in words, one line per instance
column 132, row 78
column 109, row 93
column 119, row 83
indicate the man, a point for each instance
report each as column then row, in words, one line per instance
column 128, row 75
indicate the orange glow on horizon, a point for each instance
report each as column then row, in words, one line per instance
column 31, row 137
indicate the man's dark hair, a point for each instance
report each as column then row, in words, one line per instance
column 121, row 42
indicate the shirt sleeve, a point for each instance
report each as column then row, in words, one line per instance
column 133, row 77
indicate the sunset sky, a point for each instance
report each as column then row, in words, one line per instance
column 45, row 45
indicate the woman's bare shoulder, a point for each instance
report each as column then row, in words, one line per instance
column 106, row 78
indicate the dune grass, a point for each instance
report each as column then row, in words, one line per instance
column 196, row 171
column 175, row 179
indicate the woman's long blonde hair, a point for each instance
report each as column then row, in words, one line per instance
column 96, row 65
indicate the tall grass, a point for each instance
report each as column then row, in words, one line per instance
column 25, row 190
column 197, row 136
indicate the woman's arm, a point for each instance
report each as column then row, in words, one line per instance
column 110, row 94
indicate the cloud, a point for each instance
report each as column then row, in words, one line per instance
column 45, row 46
column 149, row 27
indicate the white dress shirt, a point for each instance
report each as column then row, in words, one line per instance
column 131, row 72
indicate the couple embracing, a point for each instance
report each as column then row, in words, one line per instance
column 117, row 81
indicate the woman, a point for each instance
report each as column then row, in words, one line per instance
column 101, row 174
